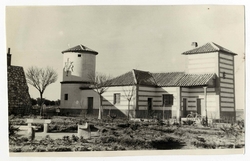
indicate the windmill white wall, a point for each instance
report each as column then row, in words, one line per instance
column 79, row 65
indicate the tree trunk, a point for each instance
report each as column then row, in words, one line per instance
column 100, row 108
column 128, row 108
column 41, row 104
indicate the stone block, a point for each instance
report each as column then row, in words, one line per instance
column 31, row 133
column 84, row 131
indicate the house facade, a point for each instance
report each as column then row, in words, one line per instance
column 206, row 87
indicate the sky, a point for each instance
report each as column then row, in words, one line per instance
column 149, row 38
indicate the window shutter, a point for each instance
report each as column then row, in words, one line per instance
column 114, row 101
column 171, row 99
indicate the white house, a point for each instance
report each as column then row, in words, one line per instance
column 207, row 86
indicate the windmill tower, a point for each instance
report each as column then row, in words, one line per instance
column 79, row 65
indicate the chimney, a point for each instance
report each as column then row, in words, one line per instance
column 195, row 44
column 8, row 58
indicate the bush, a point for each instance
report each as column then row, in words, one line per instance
column 81, row 148
column 205, row 145
column 74, row 138
column 108, row 139
column 12, row 128
column 134, row 142
column 28, row 149
column 167, row 143
column 15, row 149
column 63, row 148
column 40, row 149
column 24, row 139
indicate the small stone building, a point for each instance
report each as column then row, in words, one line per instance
column 18, row 92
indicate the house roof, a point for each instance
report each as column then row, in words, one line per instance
column 123, row 80
column 195, row 80
column 172, row 79
column 144, row 78
column 168, row 79
column 208, row 47
column 79, row 49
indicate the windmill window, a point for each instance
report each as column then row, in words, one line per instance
column 79, row 55
column 65, row 96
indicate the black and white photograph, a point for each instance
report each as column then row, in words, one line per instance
column 84, row 79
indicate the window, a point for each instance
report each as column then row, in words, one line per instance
column 117, row 97
column 65, row 96
column 167, row 99
column 79, row 55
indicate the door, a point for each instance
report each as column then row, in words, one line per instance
column 184, row 107
column 199, row 106
column 90, row 105
column 149, row 106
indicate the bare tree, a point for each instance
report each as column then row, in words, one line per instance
column 128, row 94
column 40, row 78
column 100, row 83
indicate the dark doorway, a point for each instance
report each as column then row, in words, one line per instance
column 150, row 100
column 199, row 106
column 184, row 107
column 90, row 105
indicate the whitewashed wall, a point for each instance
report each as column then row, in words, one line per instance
column 83, row 102
column 192, row 94
column 78, row 99
column 157, row 95
column 227, row 85
column 108, row 98
column 202, row 63
column 74, row 94
column 82, row 66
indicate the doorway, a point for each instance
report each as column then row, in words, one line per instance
column 184, row 107
column 150, row 104
column 199, row 106
column 90, row 105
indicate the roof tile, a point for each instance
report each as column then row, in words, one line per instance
column 172, row 79
column 79, row 49
column 207, row 48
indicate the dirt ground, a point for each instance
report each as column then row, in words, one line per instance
column 121, row 135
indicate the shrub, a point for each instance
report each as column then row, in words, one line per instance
column 40, row 149
column 12, row 128
column 74, row 138
column 24, row 139
column 15, row 149
column 108, row 139
column 82, row 140
column 134, row 126
column 133, row 142
column 205, row 145
column 123, row 125
column 167, row 143
column 28, row 148
column 63, row 148
column 81, row 148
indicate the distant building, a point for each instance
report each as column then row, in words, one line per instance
column 207, row 86
column 18, row 91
